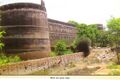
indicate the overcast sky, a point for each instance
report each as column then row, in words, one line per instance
column 83, row 11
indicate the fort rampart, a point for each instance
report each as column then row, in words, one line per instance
column 30, row 66
column 29, row 30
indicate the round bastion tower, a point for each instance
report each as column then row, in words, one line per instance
column 26, row 27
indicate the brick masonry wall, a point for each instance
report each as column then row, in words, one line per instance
column 27, row 67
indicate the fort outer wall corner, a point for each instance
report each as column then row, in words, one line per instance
column 27, row 32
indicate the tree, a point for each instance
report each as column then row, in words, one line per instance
column 114, row 27
column 73, row 22
column 87, row 31
column 104, row 39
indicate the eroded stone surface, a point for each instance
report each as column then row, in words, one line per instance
column 30, row 66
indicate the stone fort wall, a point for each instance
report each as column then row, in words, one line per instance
column 61, row 31
column 29, row 30
column 30, row 66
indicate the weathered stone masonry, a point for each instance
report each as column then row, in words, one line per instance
column 30, row 33
column 30, row 66
column 61, row 31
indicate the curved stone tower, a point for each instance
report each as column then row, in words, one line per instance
column 26, row 27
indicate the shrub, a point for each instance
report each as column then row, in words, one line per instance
column 60, row 47
column 11, row 59
column 52, row 54
column 82, row 45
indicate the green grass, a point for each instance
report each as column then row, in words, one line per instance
column 113, row 66
column 8, row 59
column 41, row 72
column 115, row 73
column 115, row 69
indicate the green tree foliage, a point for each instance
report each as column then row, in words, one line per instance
column 88, row 31
column 104, row 39
column 73, row 22
column 114, row 28
column 98, row 37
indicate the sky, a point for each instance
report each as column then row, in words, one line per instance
column 82, row 11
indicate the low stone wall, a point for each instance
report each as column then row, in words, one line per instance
column 27, row 67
